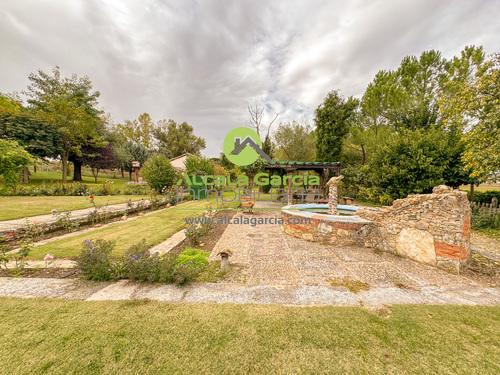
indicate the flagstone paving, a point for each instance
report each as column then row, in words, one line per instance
column 264, row 255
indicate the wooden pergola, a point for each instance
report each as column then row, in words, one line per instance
column 322, row 168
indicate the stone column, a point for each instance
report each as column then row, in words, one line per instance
column 333, row 185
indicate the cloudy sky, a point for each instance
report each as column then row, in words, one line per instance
column 205, row 61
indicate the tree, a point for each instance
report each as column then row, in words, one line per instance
column 68, row 104
column 158, row 172
column 196, row 165
column 140, row 131
column 9, row 105
column 37, row 137
column 333, row 120
column 256, row 114
column 176, row 139
column 13, row 159
column 472, row 102
column 98, row 158
column 295, row 142
column 408, row 96
column 414, row 161
column 129, row 152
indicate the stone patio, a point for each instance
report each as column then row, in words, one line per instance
column 264, row 255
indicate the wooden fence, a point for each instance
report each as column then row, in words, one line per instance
column 490, row 209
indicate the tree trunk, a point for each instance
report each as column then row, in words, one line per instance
column 34, row 168
column 130, row 175
column 26, row 175
column 64, row 160
column 472, row 192
column 123, row 176
column 364, row 155
column 77, row 173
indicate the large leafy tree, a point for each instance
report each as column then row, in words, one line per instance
column 295, row 142
column 473, row 103
column 70, row 105
column 408, row 96
column 13, row 159
column 333, row 120
column 38, row 137
column 414, row 161
column 176, row 139
column 140, row 131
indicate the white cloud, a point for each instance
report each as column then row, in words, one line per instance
column 204, row 61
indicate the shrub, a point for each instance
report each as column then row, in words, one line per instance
column 136, row 188
column 188, row 265
column 94, row 261
column 485, row 196
column 158, row 172
column 141, row 265
column 193, row 233
column 197, row 258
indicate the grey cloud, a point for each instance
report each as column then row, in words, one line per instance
column 204, row 61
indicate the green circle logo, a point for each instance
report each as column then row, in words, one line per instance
column 243, row 146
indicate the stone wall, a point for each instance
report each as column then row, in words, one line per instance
column 335, row 230
column 430, row 228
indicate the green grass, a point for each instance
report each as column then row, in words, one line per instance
column 493, row 233
column 19, row 207
column 44, row 336
column 155, row 228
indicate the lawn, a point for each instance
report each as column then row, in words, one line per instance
column 155, row 228
column 19, row 207
column 145, row 337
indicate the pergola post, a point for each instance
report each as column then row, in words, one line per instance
column 290, row 191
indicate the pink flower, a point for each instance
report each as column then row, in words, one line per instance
column 48, row 257
column 53, row 211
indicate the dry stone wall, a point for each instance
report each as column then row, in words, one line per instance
column 430, row 228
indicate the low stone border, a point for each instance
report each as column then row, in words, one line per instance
column 334, row 229
column 14, row 230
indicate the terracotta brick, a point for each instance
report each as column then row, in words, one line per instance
column 346, row 226
column 298, row 227
column 466, row 230
column 448, row 251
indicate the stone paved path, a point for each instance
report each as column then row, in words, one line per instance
column 264, row 255
column 242, row 293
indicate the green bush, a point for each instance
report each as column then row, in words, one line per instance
column 158, row 172
column 94, row 261
column 485, row 196
column 188, row 265
column 141, row 265
column 195, row 257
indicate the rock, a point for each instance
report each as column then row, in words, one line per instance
column 442, row 189
column 416, row 244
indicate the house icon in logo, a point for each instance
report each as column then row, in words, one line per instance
column 242, row 146
column 248, row 142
